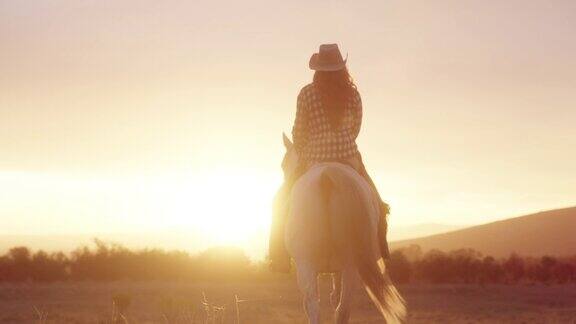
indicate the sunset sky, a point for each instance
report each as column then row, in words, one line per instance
column 127, row 116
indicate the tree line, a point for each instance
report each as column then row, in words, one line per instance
column 109, row 262
column 411, row 264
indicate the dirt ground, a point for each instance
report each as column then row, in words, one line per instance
column 279, row 302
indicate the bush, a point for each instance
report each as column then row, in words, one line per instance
column 108, row 262
column 469, row 266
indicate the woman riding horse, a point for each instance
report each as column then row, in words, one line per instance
column 328, row 120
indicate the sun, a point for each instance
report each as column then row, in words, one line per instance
column 227, row 206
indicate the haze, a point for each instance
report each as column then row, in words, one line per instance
column 143, row 116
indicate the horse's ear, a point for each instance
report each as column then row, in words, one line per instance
column 287, row 141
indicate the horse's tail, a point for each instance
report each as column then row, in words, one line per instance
column 354, row 237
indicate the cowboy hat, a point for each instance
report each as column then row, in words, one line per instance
column 328, row 58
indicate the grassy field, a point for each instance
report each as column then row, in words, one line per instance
column 279, row 302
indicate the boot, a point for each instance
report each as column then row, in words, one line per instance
column 383, row 230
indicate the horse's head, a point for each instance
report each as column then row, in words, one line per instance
column 290, row 161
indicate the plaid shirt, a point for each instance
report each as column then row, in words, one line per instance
column 314, row 137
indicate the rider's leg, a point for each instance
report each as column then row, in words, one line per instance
column 278, row 255
column 357, row 164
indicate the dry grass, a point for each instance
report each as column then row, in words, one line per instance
column 276, row 302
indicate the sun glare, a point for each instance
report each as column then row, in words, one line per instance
column 228, row 207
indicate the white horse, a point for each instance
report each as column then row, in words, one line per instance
column 332, row 227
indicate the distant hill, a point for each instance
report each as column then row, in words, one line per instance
column 546, row 233
column 420, row 230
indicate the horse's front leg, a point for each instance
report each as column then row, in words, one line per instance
column 308, row 283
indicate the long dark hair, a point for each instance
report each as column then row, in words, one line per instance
column 337, row 90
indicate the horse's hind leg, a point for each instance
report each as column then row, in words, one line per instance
column 336, row 289
column 308, row 284
column 349, row 284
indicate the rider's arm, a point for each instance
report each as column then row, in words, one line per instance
column 300, row 129
column 357, row 115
